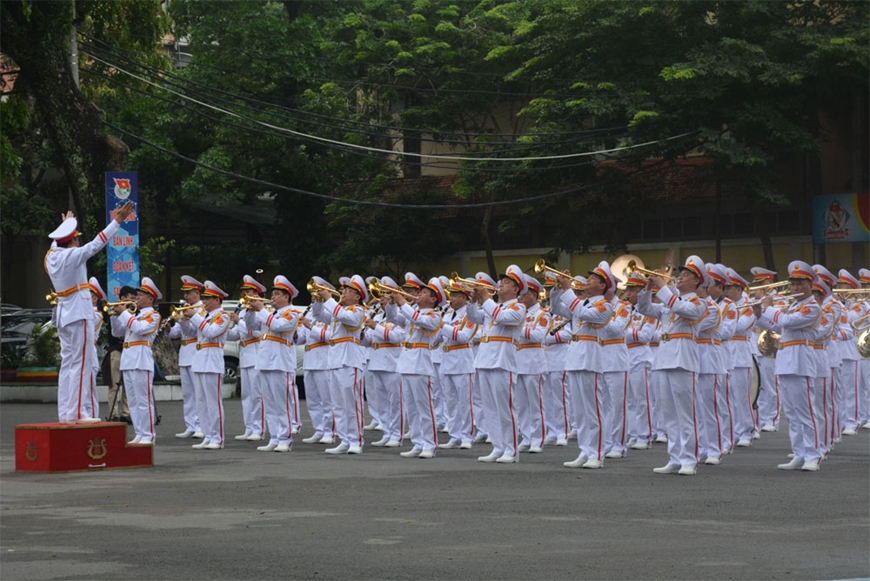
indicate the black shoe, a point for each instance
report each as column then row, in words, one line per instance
column 126, row 419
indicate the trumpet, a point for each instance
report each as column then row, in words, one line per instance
column 177, row 313
column 788, row 298
column 246, row 300
column 129, row 305
column 456, row 280
column 314, row 288
column 541, row 266
column 376, row 289
column 632, row 267
column 857, row 325
column 51, row 297
column 848, row 291
column 770, row 285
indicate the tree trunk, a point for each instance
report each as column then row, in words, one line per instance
column 36, row 36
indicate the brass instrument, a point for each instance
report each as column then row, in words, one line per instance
column 769, row 343
column 617, row 267
column 246, row 300
column 857, row 326
column 314, row 288
column 788, row 298
column 770, row 285
column 376, row 289
column 456, row 280
column 852, row 291
column 633, row 267
column 177, row 313
column 541, row 266
column 51, row 297
column 129, row 305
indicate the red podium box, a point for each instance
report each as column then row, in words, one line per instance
column 77, row 447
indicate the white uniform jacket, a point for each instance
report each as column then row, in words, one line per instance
column 316, row 345
column 677, row 349
column 416, row 358
column 456, row 335
column 614, row 353
column 386, row 341
column 187, row 333
column 556, row 342
column 212, row 334
column 638, row 334
column 588, row 318
column 502, row 326
column 531, row 359
column 139, row 331
column 710, row 347
column 345, row 326
column 741, row 344
column 276, row 350
column 797, row 326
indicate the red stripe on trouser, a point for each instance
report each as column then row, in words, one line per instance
column 825, row 411
column 432, row 411
column 716, row 410
column 219, row 407
column 776, row 389
column 598, row 416
column 359, row 422
column 694, row 417
column 511, row 408
column 857, row 374
column 624, row 407
column 541, row 408
column 565, row 405
column 288, row 396
column 649, row 406
column 82, row 372
column 834, row 418
column 730, row 415
column 150, row 407
column 812, row 414
column 752, row 414
column 471, row 400
column 295, row 403
column 401, row 412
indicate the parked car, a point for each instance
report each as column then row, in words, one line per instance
column 17, row 328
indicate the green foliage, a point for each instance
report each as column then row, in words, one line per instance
column 44, row 348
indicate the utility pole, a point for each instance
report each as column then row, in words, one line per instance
column 74, row 69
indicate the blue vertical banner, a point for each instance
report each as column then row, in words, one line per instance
column 123, row 248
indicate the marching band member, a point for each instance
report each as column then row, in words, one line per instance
column 346, row 362
column 480, row 418
column 678, row 358
column 187, row 334
column 864, row 384
column 375, row 400
column 638, row 334
column 457, row 369
column 824, row 368
column 91, row 403
column 583, row 363
column 531, row 368
column 718, row 275
column 768, row 395
column 253, row 410
column 832, row 307
column 614, row 372
column 712, row 367
column 66, row 265
column 137, row 358
column 276, row 362
column 740, row 376
column 557, row 415
column 495, row 361
column 795, row 366
column 438, row 400
column 211, row 323
column 316, row 335
column 416, row 369
column 848, row 374
column 386, row 339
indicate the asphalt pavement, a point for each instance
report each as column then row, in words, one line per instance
column 242, row 514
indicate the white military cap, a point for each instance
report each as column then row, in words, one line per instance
column 357, row 283
column 95, row 287
column 190, row 283
column 213, row 290
column 603, row 270
column 65, row 232
column 440, row 296
column 147, row 285
column 254, row 284
column 412, row 280
column 283, row 284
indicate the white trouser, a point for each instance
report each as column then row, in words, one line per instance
column 768, row 395
column 864, row 392
column 480, row 419
column 438, row 402
column 388, row 385
column 317, row 401
column 556, row 414
column 279, row 404
column 848, row 379
column 530, row 408
column 617, row 428
column 710, row 428
column 726, row 417
column 210, row 406
column 656, row 399
column 457, row 390
column 75, row 367
column 497, row 390
column 345, row 392
column 639, row 390
column 679, row 397
column 90, row 403
column 138, row 385
column 800, row 406
column 741, row 403
column 586, row 391
column 375, row 398
column 421, row 411
column 252, row 401
column 188, row 396
column 821, row 402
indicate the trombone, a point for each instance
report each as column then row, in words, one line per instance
column 632, row 267
column 378, row 290
column 770, row 285
column 51, row 297
column 314, row 288
column 129, row 305
column 541, row 266
column 456, row 280
column 857, row 326
column 844, row 291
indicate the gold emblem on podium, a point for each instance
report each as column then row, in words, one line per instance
column 97, row 448
column 32, row 451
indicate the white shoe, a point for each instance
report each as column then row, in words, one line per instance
column 668, row 469
column 412, row 453
column 687, row 470
column 614, row 454
column 213, row 446
column 493, row 456
column 135, row 440
column 326, row 440
column 756, row 435
column 849, row 432
column 282, row 448
column 407, row 435
column 795, row 464
column 392, row 444
column 427, row 454
column 535, row 449
column 242, row 437
column 572, row 435
column 768, row 428
column 479, row 438
column 449, row 445
column 294, row 431
column 380, row 427
column 810, row 466
column 550, row 440
column 370, row 426
column 712, row 461
column 198, row 435
column 445, row 430
column 640, row 446
column 340, row 449
column 267, row 448
column 465, row 446
column 199, row 446
column 593, row 464
column 562, row 441
column 580, row 461
column 866, row 426
column 88, row 421
column 381, row 443
column 354, row 450
column 255, row 437
column 312, row 439
column 662, row 440
column 523, row 448
column 508, row 459
column 488, row 440
column 184, row 435
column 146, row 442
column 744, row 443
